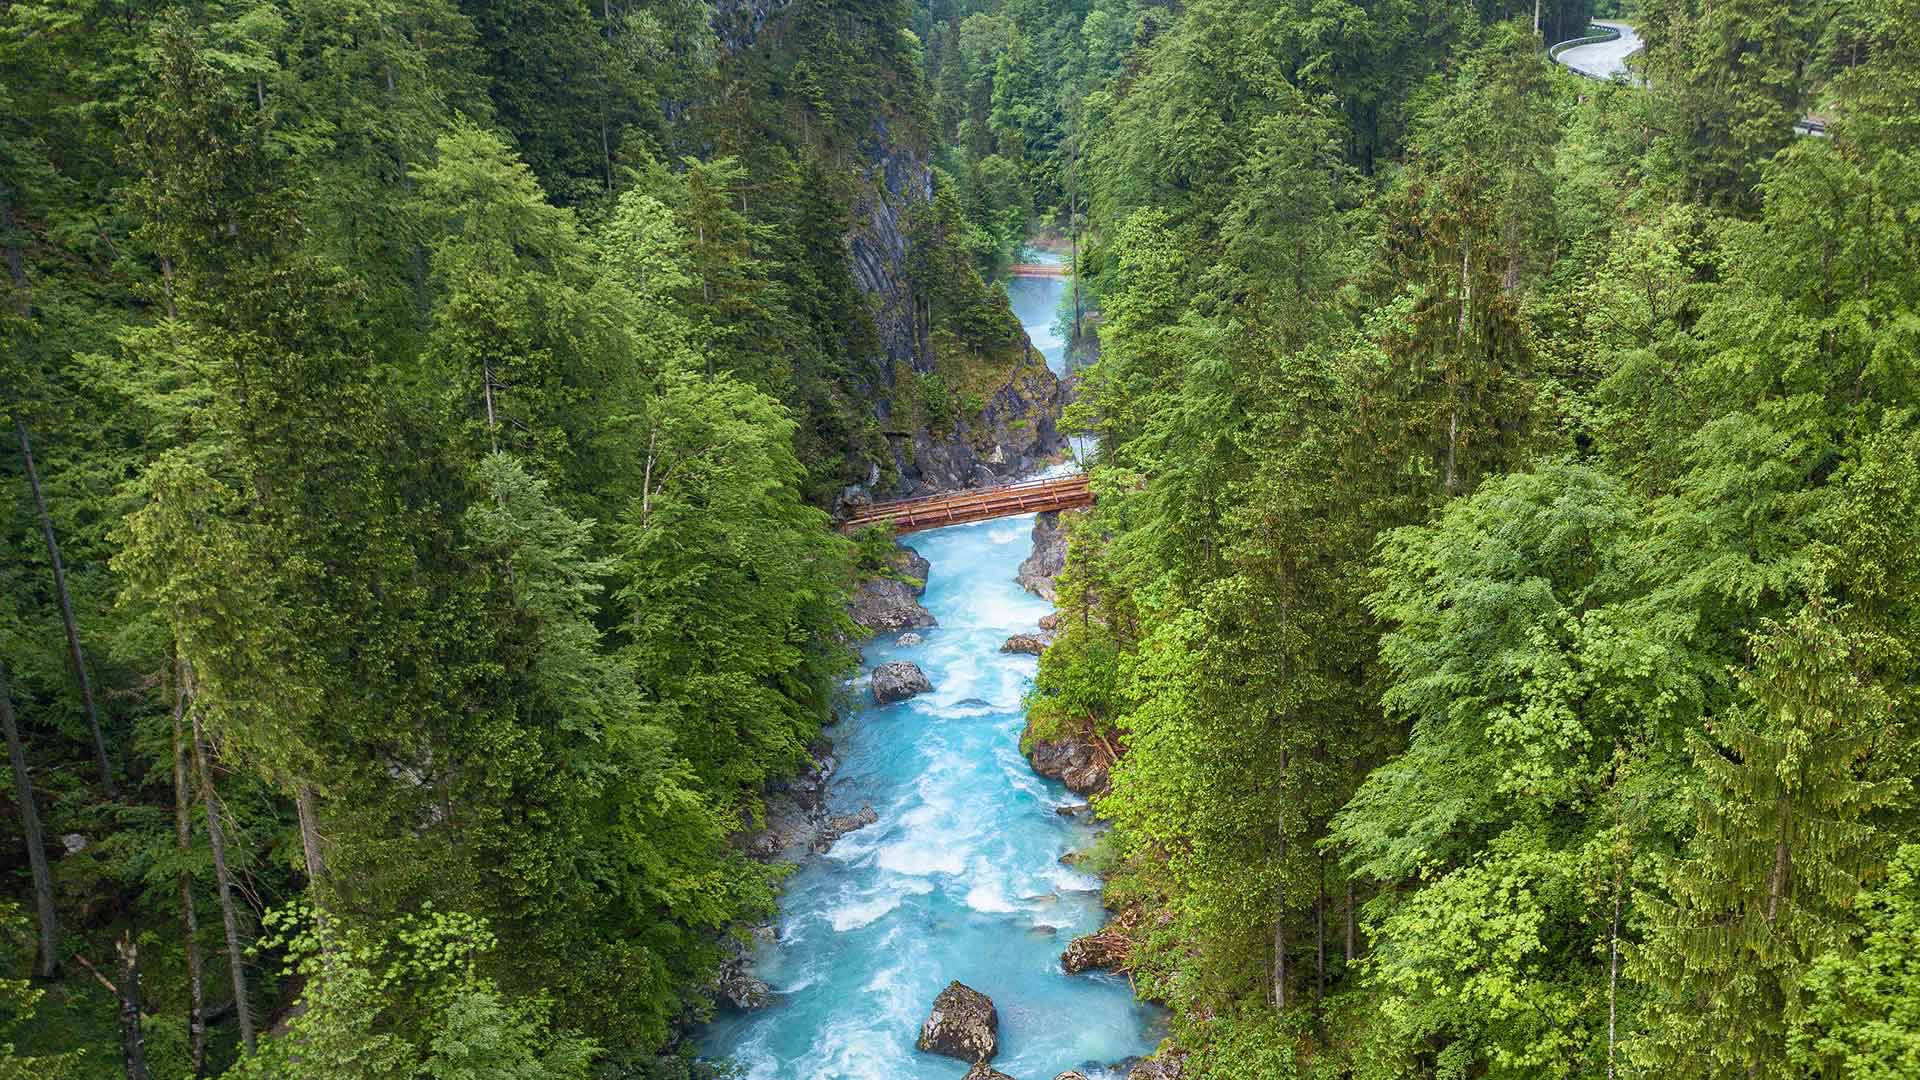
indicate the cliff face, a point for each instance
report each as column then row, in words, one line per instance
column 1014, row 427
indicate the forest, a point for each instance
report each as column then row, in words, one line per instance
column 426, row 421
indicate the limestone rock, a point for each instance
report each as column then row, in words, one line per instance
column 963, row 1024
column 1104, row 951
column 796, row 809
column 984, row 1071
column 898, row 680
column 1037, row 572
column 908, row 641
column 1031, row 644
column 1077, row 763
column 890, row 602
column 1166, row 1067
column 1071, row 1074
column 840, row 825
column 1050, row 622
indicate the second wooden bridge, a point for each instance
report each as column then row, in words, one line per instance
column 984, row 504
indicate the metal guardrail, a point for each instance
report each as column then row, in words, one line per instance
column 1606, row 33
column 1804, row 126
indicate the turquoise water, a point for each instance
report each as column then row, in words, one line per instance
column 959, row 879
column 1036, row 302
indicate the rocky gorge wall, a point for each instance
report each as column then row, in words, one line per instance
column 1008, row 423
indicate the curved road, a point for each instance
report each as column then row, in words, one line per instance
column 1604, row 59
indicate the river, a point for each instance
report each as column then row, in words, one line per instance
column 961, row 877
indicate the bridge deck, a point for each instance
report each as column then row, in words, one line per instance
column 1039, row 270
column 985, row 504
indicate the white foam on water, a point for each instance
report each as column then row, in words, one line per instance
column 865, row 913
column 987, row 898
column 920, row 859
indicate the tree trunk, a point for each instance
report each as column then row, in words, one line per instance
column 189, row 917
column 133, row 1042
column 223, row 879
column 1280, row 915
column 65, row 601
column 310, row 833
column 1320, row 936
column 1349, row 953
column 49, row 963
column 1613, row 974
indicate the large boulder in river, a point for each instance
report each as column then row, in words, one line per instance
column 984, row 1071
column 898, row 680
column 1037, row 572
column 890, row 603
column 1071, row 1074
column 1031, row 644
column 962, row 1025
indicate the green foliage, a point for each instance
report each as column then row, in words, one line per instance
column 406, row 1001
column 1860, row 1004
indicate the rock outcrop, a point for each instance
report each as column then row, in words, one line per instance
column 840, row 825
column 963, row 1024
column 1071, row 1074
column 739, row 987
column 795, row 810
column 898, row 680
column 891, row 603
column 984, row 1071
column 908, row 641
column 1077, row 763
column 735, row 983
column 1104, row 951
column 1162, row 1067
column 1031, row 644
column 1038, row 570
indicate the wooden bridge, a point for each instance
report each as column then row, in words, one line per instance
column 1039, row 270
column 984, row 504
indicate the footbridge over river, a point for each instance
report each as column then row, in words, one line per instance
column 982, row 504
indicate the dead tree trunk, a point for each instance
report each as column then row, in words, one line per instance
column 189, row 917
column 49, row 963
column 223, row 879
column 133, row 1041
column 65, row 600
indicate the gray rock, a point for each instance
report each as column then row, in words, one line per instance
column 890, row 603
column 1103, row 951
column 898, row 680
column 884, row 605
column 840, row 825
column 1075, row 810
column 1037, row 572
column 739, row 988
column 796, row 810
column 963, row 1024
column 1167, row 1067
column 984, row 1071
column 73, row 843
column 908, row 641
column 1071, row 1074
column 1031, row 644
column 1077, row 763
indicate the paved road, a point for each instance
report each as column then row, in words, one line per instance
column 1605, row 59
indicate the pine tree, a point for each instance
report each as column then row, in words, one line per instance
column 1787, row 834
